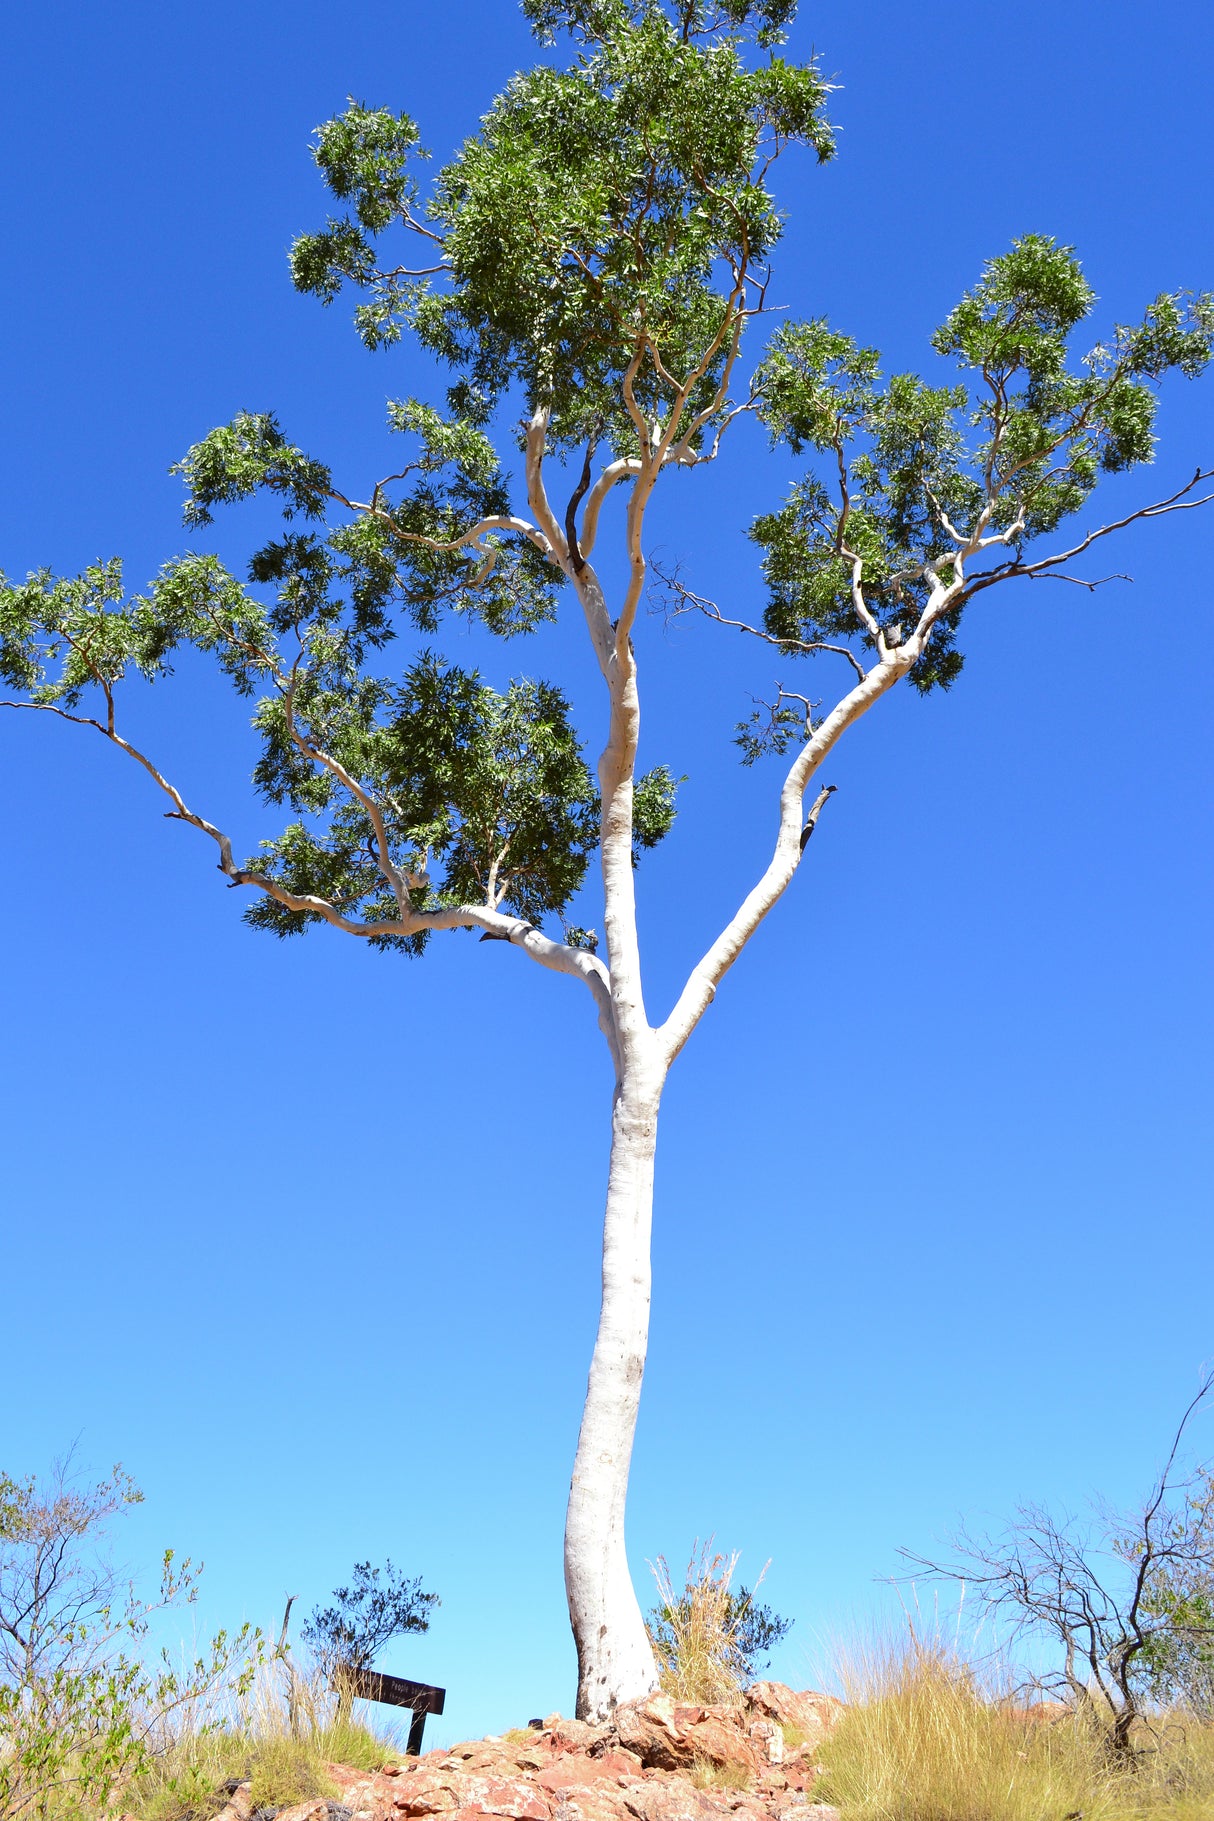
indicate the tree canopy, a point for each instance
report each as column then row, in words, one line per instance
column 598, row 249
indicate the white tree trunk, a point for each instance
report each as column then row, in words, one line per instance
column 615, row 1659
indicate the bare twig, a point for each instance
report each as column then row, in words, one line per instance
column 1175, row 502
column 698, row 603
column 1044, row 1573
column 1081, row 581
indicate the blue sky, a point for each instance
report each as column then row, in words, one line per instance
column 933, row 1213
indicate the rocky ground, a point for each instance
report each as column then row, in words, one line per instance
column 657, row 1761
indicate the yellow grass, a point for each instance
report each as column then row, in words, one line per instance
column 704, row 1774
column 283, row 1753
column 696, row 1648
column 926, row 1739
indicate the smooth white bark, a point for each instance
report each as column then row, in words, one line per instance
column 615, row 1658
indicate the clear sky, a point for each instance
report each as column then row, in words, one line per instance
column 307, row 1236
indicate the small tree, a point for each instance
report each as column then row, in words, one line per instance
column 1125, row 1598
column 377, row 1606
column 1176, row 1665
column 590, row 269
column 79, row 1708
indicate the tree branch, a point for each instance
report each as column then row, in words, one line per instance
column 704, row 978
column 472, row 537
column 611, row 476
column 701, row 604
column 1176, row 502
column 575, row 499
column 558, row 957
column 390, row 872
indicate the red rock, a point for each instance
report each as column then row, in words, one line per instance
column 581, row 1773
column 515, row 1798
column 813, row 1715
column 618, row 1762
column 315, row 1809
column 239, row 1805
column 769, row 1739
column 575, row 1735
column 603, row 1802
column 430, row 1790
column 571, row 1774
column 441, row 1790
column 533, row 1757
column 635, row 1770
column 654, row 1800
column 718, row 1739
column 647, row 1728
column 795, row 1775
column 364, row 1793
column 484, row 1755
column 670, row 1736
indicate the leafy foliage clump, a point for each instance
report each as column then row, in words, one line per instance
column 490, row 786
column 920, row 471
column 1176, row 1665
column 596, row 204
column 378, row 1605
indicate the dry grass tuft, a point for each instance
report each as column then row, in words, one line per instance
column 282, row 1745
column 704, row 1774
column 927, row 1738
column 921, row 1742
column 695, row 1634
column 286, row 1771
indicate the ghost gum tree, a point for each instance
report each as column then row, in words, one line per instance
column 591, row 270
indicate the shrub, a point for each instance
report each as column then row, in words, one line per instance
column 706, row 1637
column 379, row 1604
column 80, row 1711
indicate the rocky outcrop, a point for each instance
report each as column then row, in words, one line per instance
column 659, row 1760
column 668, row 1736
column 805, row 1719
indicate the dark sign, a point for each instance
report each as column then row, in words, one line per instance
column 396, row 1691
